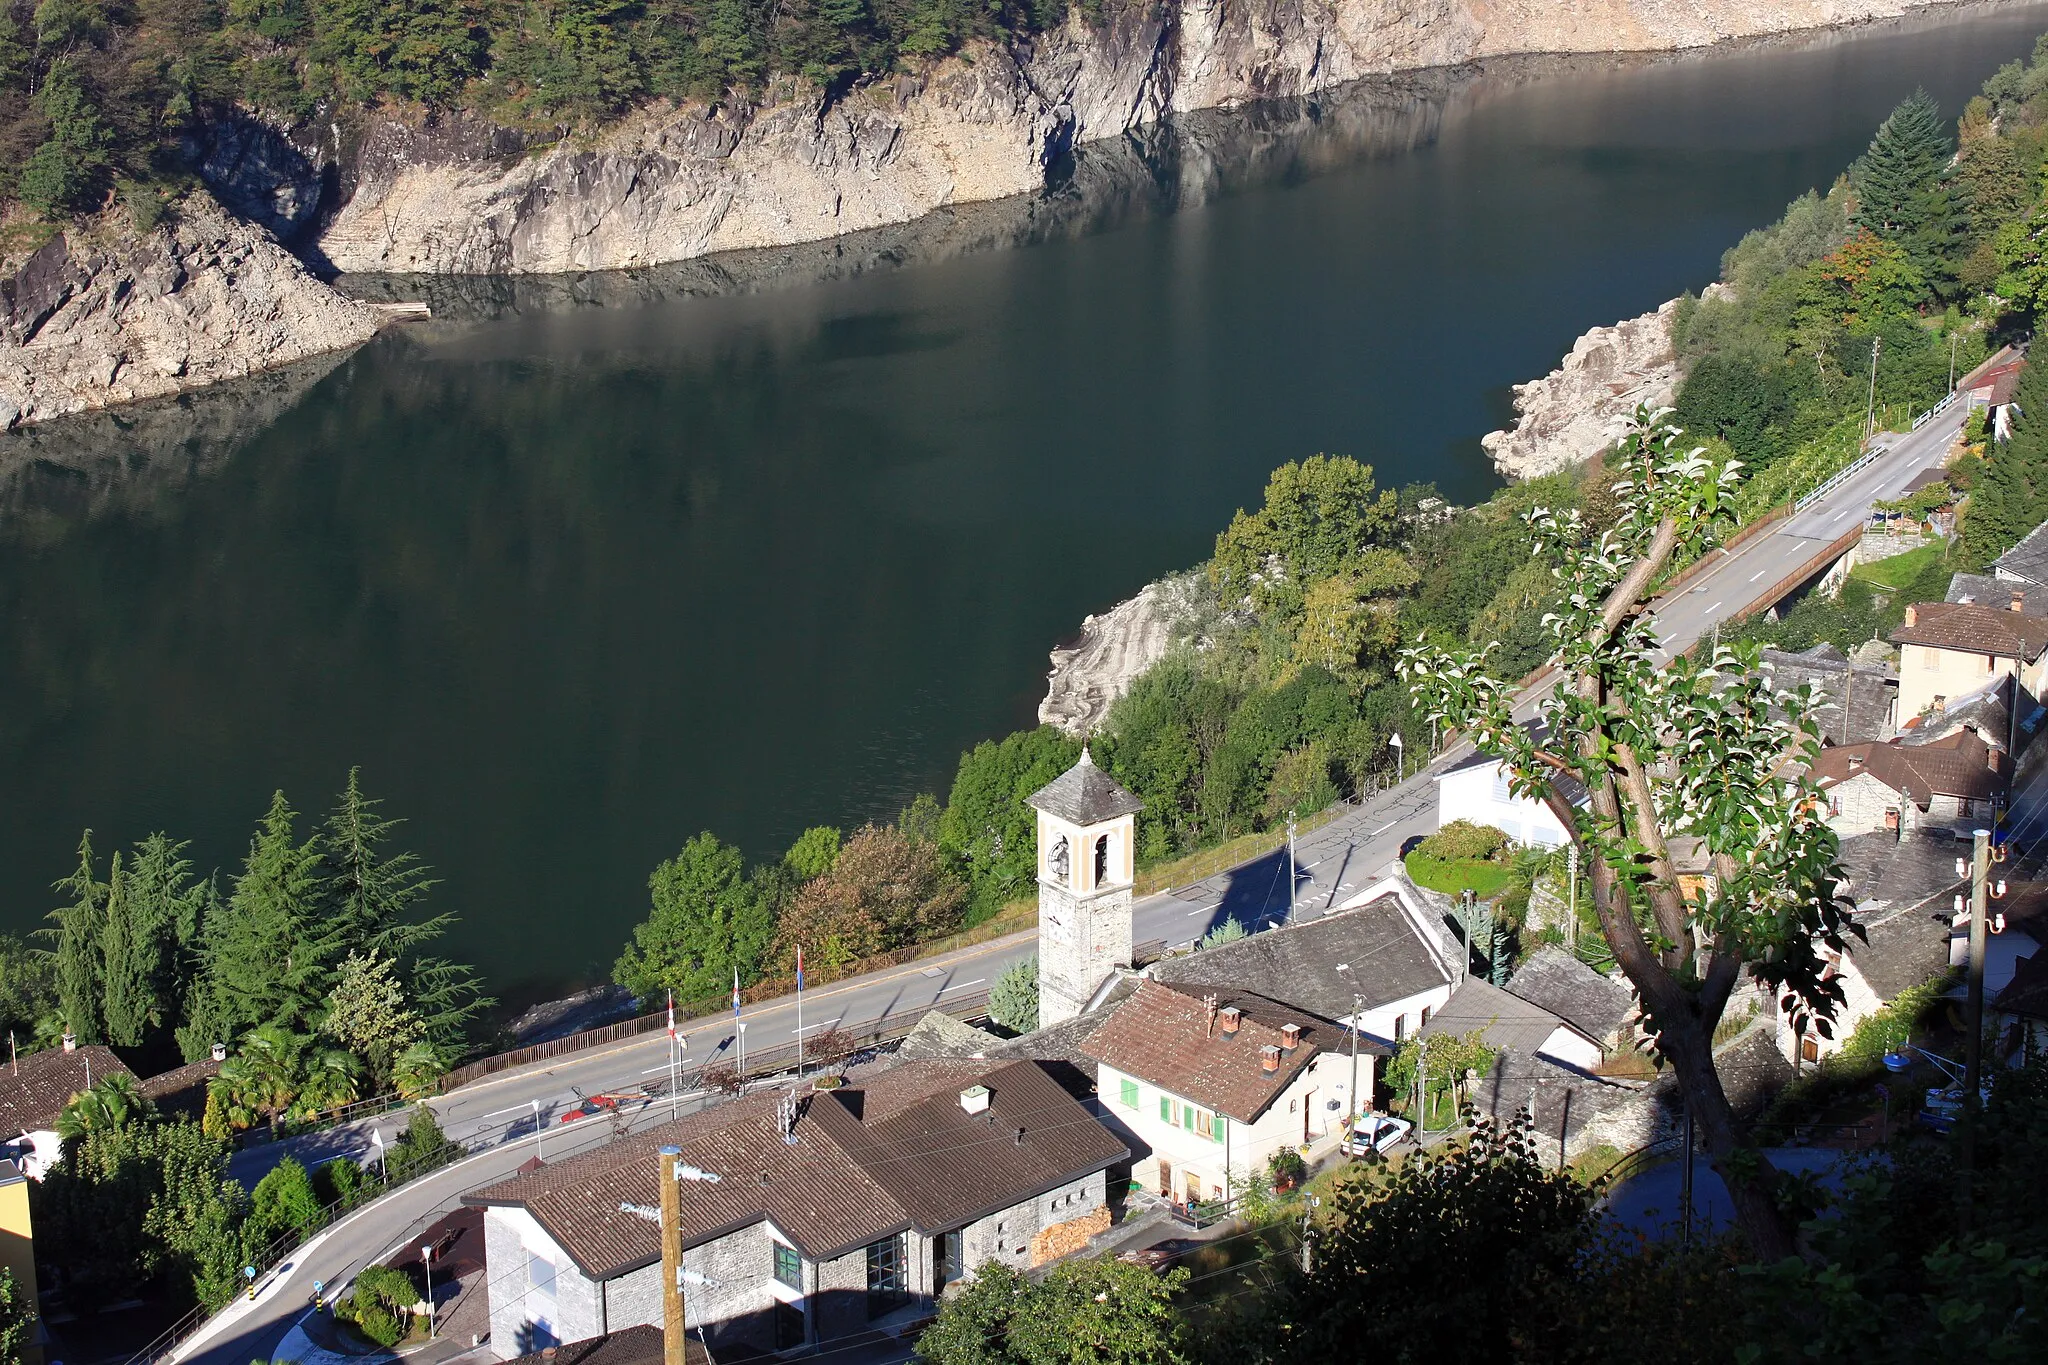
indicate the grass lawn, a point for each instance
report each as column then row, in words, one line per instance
column 1900, row 570
column 1451, row 876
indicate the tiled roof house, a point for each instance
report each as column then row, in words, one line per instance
column 1949, row 649
column 34, row 1090
column 891, row 1187
column 1901, row 787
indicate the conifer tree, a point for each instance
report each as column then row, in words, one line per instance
column 167, row 905
column 268, row 949
column 1903, row 192
column 2010, row 498
column 126, row 1001
column 80, row 928
column 372, row 893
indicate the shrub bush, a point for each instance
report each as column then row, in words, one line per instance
column 1461, row 839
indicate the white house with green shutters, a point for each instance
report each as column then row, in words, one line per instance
column 1215, row 1084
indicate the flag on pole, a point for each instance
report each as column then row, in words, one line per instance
column 671, row 1015
column 799, row 970
column 735, row 992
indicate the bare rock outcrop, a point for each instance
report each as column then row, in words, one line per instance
column 672, row 183
column 95, row 319
column 1582, row 407
column 1113, row 649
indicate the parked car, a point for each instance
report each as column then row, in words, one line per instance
column 1376, row 1133
column 1163, row 1255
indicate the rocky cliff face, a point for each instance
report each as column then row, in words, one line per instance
column 463, row 197
column 90, row 321
column 1582, row 407
column 1113, row 649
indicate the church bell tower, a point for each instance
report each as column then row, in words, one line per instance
column 1085, row 870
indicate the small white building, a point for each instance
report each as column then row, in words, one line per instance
column 34, row 1090
column 1216, row 1084
column 1476, row 789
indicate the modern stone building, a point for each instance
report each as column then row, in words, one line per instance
column 1086, row 851
column 840, row 1210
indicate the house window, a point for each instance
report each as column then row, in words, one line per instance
column 789, row 1268
column 789, row 1326
column 887, row 1288
column 1500, row 786
column 947, row 1259
column 1400, row 1027
column 1834, row 804
column 1424, row 1022
column 1128, row 1093
column 1203, row 1124
column 540, row 1274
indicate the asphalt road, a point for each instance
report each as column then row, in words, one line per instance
column 518, row 1114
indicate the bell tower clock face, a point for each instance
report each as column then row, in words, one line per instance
column 1054, row 922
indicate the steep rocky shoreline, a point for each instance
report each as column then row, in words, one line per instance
column 675, row 183
column 202, row 297
column 210, row 295
column 1582, row 407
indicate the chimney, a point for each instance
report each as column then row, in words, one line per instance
column 1855, row 762
column 1912, row 617
column 2019, row 600
column 1269, row 1059
column 70, row 1041
column 1290, row 1037
column 220, row 1052
column 974, row 1099
column 1229, row 1018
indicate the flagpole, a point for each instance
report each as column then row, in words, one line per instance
column 673, row 1111
column 799, row 1014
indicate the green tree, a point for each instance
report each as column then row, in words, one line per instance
column 80, row 936
column 1089, row 1312
column 813, row 853
column 164, row 905
column 28, row 993
column 367, row 1012
column 17, row 1320
column 1698, row 747
column 283, row 1203
column 884, row 892
column 987, row 832
column 1902, row 194
column 68, row 173
column 1230, row 931
column 1013, row 997
column 127, row 965
column 372, row 894
column 111, row 1102
column 267, row 951
column 708, row 921
column 1318, row 517
column 2010, row 498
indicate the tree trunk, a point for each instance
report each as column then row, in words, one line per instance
column 1751, row 1179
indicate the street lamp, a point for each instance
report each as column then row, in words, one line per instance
column 427, row 1264
column 1400, row 756
column 536, row 1131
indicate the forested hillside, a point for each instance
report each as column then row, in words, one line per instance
column 96, row 96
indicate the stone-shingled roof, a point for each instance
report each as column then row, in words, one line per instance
column 2027, row 992
column 1974, row 628
column 891, row 1151
column 1985, row 590
column 1170, row 1038
column 2026, row 562
column 1596, row 1005
column 1084, row 795
column 1857, row 697
column 1899, row 885
column 1298, row 964
column 1503, row 1021
column 35, row 1089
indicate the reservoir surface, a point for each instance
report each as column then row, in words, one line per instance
column 585, row 566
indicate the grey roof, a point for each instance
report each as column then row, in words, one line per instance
column 1899, row 885
column 1597, row 1006
column 1058, row 1046
column 939, row 1035
column 1997, row 592
column 1857, row 698
column 1503, row 1021
column 1558, row 1098
column 1084, row 795
column 2026, row 561
column 1297, row 965
column 1987, row 713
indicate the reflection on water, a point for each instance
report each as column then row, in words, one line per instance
column 588, row 564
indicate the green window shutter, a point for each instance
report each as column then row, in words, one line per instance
column 1130, row 1095
column 1216, row 1128
column 1165, row 1110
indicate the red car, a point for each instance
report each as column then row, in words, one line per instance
column 596, row 1104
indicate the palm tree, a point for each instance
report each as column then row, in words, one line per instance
column 327, row 1081
column 112, row 1102
column 416, row 1070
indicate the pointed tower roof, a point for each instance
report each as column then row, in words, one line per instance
column 1084, row 795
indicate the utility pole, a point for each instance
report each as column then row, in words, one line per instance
column 1870, row 403
column 673, row 1174
column 1685, row 1227
column 536, row 1132
column 1421, row 1088
column 1357, row 1008
column 1571, row 864
column 1290, row 867
column 1973, row 1021
column 1952, row 339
